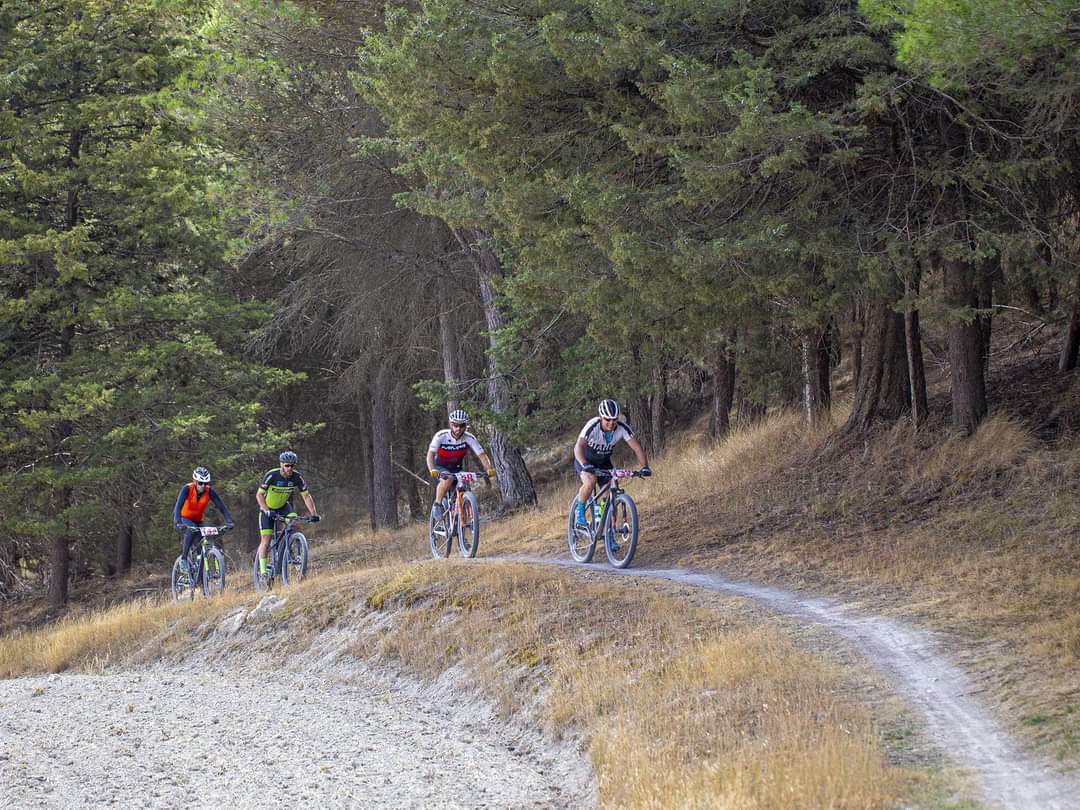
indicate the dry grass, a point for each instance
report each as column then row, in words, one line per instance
column 93, row 641
column 680, row 707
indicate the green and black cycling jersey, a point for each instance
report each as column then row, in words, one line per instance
column 278, row 490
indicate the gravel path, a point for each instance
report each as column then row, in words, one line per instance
column 349, row 737
column 920, row 670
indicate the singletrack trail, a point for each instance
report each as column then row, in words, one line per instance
column 919, row 669
column 256, row 736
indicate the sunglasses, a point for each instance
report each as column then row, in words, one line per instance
column 605, row 419
column 459, row 424
column 290, row 466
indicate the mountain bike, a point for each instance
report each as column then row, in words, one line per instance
column 612, row 515
column 206, row 566
column 288, row 554
column 460, row 516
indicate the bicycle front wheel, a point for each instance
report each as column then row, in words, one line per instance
column 213, row 573
column 294, row 559
column 621, row 531
column 581, row 541
column 469, row 525
column 262, row 583
column 439, row 535
column 182, row 584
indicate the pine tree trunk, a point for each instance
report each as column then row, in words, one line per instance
column 1070, row 346
column 857, row 329
column 364, row 419
column 382, row 434
column 987, row 274
column 448, row 339
column 125, row 541
column 825, row 366
column 813, row 400
column 882, row 391
column 515, row 482
column 59, row 559
column 412, row 489
column 723, row 393
column 916, row 369
column 656, row 406
column 965, row 349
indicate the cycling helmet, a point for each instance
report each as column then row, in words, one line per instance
column 201, row 475
column 459, row 417
column 609, row 409
column 288, row 457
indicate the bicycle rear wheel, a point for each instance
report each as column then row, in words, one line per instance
column 213, row 579
column 581, row 541
column 294, row 559
column 439, row 535
column 621, row 531
column 469, row 526
column 182, row 584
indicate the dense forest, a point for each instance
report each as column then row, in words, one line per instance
column 230, row 227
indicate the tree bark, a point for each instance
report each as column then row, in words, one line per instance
column 857, row 328
column 987, row 274
column 448, row 339
column 382, row 433
column 1070, row 346
column 515, row 483
column 882, row 392
column 656, row 406
column 412, row 490
column 125, row 541
column 965, row 348
column 723, row 393
column 814, row 404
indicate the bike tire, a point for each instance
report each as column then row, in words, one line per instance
column 294, row 559
column 469, row 526
column 213, row 573
column 182, row 584
column 621, row 531
column 261, row 583
column 582, row 542
column 439, row 536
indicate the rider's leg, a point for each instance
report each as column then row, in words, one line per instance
column 588, row 481
column 440, row 492
column 266, row 530
column 190, row 536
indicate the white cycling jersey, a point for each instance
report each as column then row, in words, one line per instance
column 450, row 452
column 600, row 443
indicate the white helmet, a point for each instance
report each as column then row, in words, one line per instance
column 200, row 475
column 609, row 409
column 459, row 417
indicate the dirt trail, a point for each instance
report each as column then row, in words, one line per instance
column 215, row 731
column 919, row 669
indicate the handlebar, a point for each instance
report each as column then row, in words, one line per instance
column 461, row 477
column 213, row 531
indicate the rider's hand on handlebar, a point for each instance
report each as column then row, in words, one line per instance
column 230, row 526
column 265, row 510
column 315, row 518
column 588, row 468
column 490, row 472
column 434, row 473
column 645, row 471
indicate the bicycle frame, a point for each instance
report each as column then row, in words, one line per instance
column 604, row 494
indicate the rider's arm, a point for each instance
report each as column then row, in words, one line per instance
column 309, row 502
column 431, row 460
column 179, row 504
column 639, row 451
column 220, row 504
column 579, row 451
column 260, row 496
column 489, row 468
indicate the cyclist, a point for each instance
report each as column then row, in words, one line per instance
column 191, row 503
column 592, row 452
column 447, row 451
column 275, row 500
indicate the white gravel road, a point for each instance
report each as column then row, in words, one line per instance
column 257, row 737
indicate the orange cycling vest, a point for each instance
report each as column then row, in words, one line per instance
column 194, row 505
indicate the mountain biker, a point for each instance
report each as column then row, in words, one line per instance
column 191, row 503
column 447, row 451
column 592, row 452
column 275, row 500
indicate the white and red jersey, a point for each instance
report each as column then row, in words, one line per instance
column 450, row 452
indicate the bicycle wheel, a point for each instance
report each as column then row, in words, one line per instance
column 469, row 526
column 213, row 573
column 439, row 535
column 262, row 583
column 182, row 584
column 581, row 541
column 621, row 531
column 294, row 559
